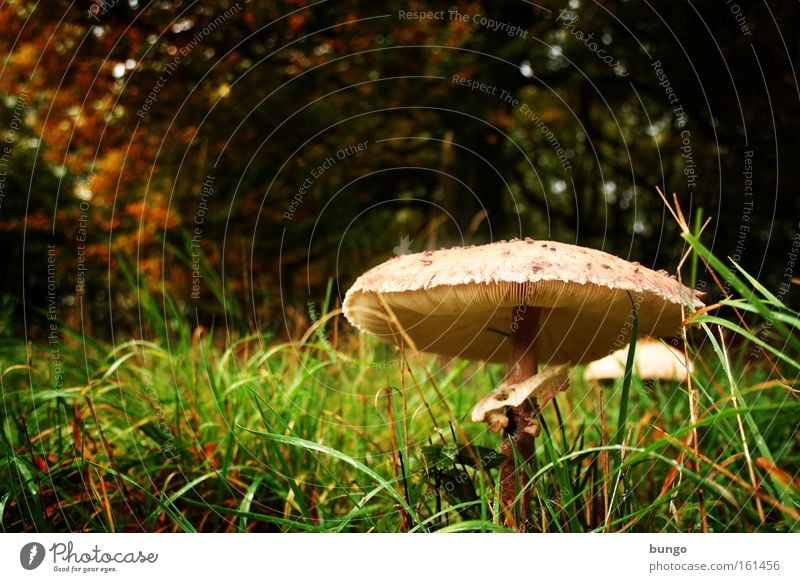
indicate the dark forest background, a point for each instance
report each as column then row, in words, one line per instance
column 186, row 142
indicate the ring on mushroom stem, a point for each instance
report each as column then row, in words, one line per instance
column 517, row 302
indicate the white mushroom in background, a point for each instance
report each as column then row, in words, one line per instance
column 652, row 360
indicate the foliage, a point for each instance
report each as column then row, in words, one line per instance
column 259, row 96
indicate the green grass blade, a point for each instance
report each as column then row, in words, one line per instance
column 325, row 450
column 626, row 381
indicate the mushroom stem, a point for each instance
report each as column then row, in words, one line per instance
column 523, row 364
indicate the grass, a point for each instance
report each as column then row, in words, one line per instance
column 185, row 431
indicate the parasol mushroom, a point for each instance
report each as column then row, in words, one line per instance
column 521, row 302
column 652, row 360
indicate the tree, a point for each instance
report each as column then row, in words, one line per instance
column 222, row 139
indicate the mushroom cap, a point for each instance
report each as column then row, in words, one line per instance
column 458, row 301
column 652, row 360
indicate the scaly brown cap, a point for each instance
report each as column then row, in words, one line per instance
column 458, row 302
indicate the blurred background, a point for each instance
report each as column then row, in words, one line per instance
column 232, row 158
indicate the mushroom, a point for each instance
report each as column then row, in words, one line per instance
column 652, row 360
column 521, row 302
